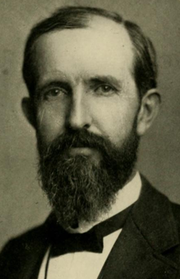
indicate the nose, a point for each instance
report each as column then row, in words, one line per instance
column 79, row 115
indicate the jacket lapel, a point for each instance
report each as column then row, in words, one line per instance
column 149, row 232
column 31, row 262
column 35, row 246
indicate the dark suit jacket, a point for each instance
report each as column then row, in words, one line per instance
column 147, row 248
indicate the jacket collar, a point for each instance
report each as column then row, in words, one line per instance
column 150, row 230
column 153, row 216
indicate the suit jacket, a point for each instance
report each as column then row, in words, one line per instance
column 147, row 248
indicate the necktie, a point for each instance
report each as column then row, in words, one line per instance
column 63, row 242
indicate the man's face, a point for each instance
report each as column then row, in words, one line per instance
column 84, row 83
column 85, row 80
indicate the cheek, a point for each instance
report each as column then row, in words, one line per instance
column 50, row 121
column 115, row 120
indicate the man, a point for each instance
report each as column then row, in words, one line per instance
column 92, row 83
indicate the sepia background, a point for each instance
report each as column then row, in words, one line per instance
column 22, row 204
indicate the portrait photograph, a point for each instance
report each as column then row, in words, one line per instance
column 90, row 139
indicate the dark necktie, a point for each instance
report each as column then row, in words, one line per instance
column 92, row 241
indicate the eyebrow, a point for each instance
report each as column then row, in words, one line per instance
column 95, row 80
column 106, row 80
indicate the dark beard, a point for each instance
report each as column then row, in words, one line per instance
column 77, row 188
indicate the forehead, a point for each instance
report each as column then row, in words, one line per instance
column 103, row 47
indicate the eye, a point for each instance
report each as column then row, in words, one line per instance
column 105, row 89
column 55, row 92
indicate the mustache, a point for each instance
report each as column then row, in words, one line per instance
column 79, row 138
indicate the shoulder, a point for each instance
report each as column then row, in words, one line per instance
column 26, row 240
column 22, row 250
column 176, row 212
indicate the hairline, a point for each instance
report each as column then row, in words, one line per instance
column 85, row 26
column 72, row 17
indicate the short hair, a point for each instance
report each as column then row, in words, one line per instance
column 72, row 17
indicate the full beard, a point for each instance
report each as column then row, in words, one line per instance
column 78, row 188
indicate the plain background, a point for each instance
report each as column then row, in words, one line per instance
column 22, row 203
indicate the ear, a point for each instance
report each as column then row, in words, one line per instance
column 29, row 110
column 148, row 111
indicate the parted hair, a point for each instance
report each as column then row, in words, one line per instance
column 72, row 17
